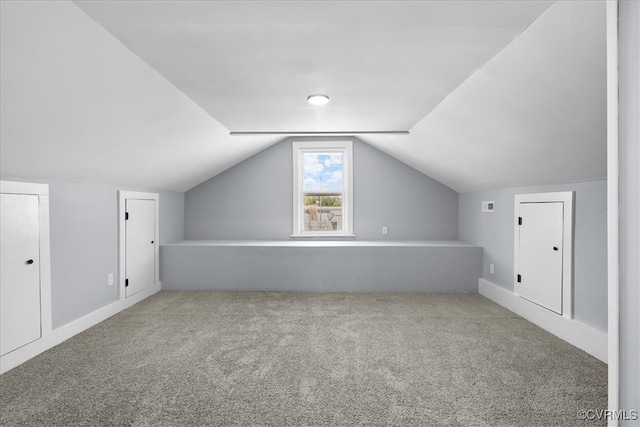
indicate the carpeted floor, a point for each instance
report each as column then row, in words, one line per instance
column 305, row 359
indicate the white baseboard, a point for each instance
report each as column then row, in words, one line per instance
column 63, row 333
column 575, row 333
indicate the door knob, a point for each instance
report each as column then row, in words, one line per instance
column 555, row 248
column 152, row 242
column 29, row 261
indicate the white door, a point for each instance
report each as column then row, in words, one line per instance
column 140, row 238
column 20, row 321
column 539, row 275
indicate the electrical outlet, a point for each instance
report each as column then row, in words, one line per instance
column 109, row 279
column 385, row 230
column 491, row 269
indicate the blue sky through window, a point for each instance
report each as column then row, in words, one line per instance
column 322, row 172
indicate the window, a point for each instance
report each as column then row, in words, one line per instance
column 322, row 189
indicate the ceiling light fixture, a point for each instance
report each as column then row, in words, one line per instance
column 317, row 99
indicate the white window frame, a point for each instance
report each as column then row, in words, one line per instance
column 346, row 149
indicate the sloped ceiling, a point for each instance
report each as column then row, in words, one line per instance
column 534, row 114
column 251, row 65
column 76, row 105
column 494, row 94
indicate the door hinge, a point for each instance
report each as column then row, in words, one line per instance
column 519, row 278
column 126, row 282
column 519, row 220
column 126, row 216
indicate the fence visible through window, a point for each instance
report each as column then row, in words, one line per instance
column 323, row 211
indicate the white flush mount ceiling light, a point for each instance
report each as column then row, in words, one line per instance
column 317, row 99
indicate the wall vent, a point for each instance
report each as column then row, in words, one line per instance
column 488, row 206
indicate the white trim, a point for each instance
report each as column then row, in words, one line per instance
column 17, row 187
column 612, row 210
column 42, row 191
column 301, row 147
column 565, row 197
column 575, row 333
column 324, row 243
column 321, row 235
column 71, row 329
column 122, row 197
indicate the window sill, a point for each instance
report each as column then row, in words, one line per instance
column 321, row 235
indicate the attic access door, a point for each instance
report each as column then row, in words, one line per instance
column 25, row 272
column 20, row 312
column 139, row 245
column 543, row 252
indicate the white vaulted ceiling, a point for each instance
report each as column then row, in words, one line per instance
column 534, row 114
column 494, row 93
column 251, row 65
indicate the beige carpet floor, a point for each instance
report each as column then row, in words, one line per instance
column 307, row 359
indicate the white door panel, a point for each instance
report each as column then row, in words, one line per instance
column 140, row 245
column 20, row 315
column 540, row 254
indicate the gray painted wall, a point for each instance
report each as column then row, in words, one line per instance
column 171, row 217
column 494, row 232
column 253, row 200
column 84, row 249
column 443, row 268
column 84, row 243
column 629, row 161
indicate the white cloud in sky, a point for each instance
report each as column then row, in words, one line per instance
column 333, row 160
column 311, row 184
column 312, row 165
column 322, row 172
column 335, row 176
